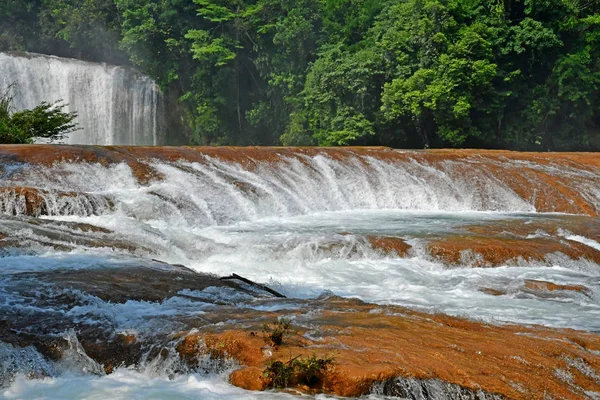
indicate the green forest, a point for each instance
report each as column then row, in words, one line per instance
column 403, row 73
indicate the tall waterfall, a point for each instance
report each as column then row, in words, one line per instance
column 115, row 106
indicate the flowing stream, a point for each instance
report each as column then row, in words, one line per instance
column 300, row 225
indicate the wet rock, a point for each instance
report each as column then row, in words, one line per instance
column 374, row 346
column 537, row 285
column 389, row 245
column 122, row 283
column 49, row 299
column 47, row 155
column 392, row 349
column 249, row 378
column 36, row 202
column 28, row 199
column 383, row 349
column 190, row 347
column 48, row 345
column 24, row 361
column 493, row 292
column 490, row 251
column 60, row 235
column 121, row 350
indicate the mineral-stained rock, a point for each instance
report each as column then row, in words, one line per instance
column 510, row 242
column 481, row 251
column 29, row 201
column 250, row 378
column 553, row 287
column 386, row 349
column 379, row 344
column 493, row 292
column 389, row 245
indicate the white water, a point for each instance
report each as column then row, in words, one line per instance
column 131, row 385
column 114, row 105
column 299, row 226
column 150, row 381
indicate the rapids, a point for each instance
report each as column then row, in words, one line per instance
column 303, row 222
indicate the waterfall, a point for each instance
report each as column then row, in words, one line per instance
column 115, row 105
column 217, row 186
column 110, row 259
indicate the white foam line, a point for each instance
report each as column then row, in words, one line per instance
column 582, row 239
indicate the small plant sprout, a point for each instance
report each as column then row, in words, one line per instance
column 274, row 332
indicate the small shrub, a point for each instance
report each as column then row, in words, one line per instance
column 278, row 374
column 312, row 370
column 297, row 371
column 48, row 120
column 274, row 332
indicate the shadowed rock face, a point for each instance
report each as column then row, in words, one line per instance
column 57, row 301
column 138, row 283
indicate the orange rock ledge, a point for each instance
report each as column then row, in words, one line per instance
column 374, row 344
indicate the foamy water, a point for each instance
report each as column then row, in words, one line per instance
column 299, row 226
column 303, row 257
column 149, row 381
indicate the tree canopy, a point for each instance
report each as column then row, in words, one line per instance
column 518, row 74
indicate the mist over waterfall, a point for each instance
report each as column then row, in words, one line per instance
column 115, row 105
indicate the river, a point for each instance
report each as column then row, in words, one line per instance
column 390, row 228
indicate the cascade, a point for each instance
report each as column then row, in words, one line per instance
column 412, row 269
column 115, row 105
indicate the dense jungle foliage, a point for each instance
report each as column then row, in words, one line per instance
column 520, row 74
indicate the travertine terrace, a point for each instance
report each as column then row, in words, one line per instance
column 461, row 272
